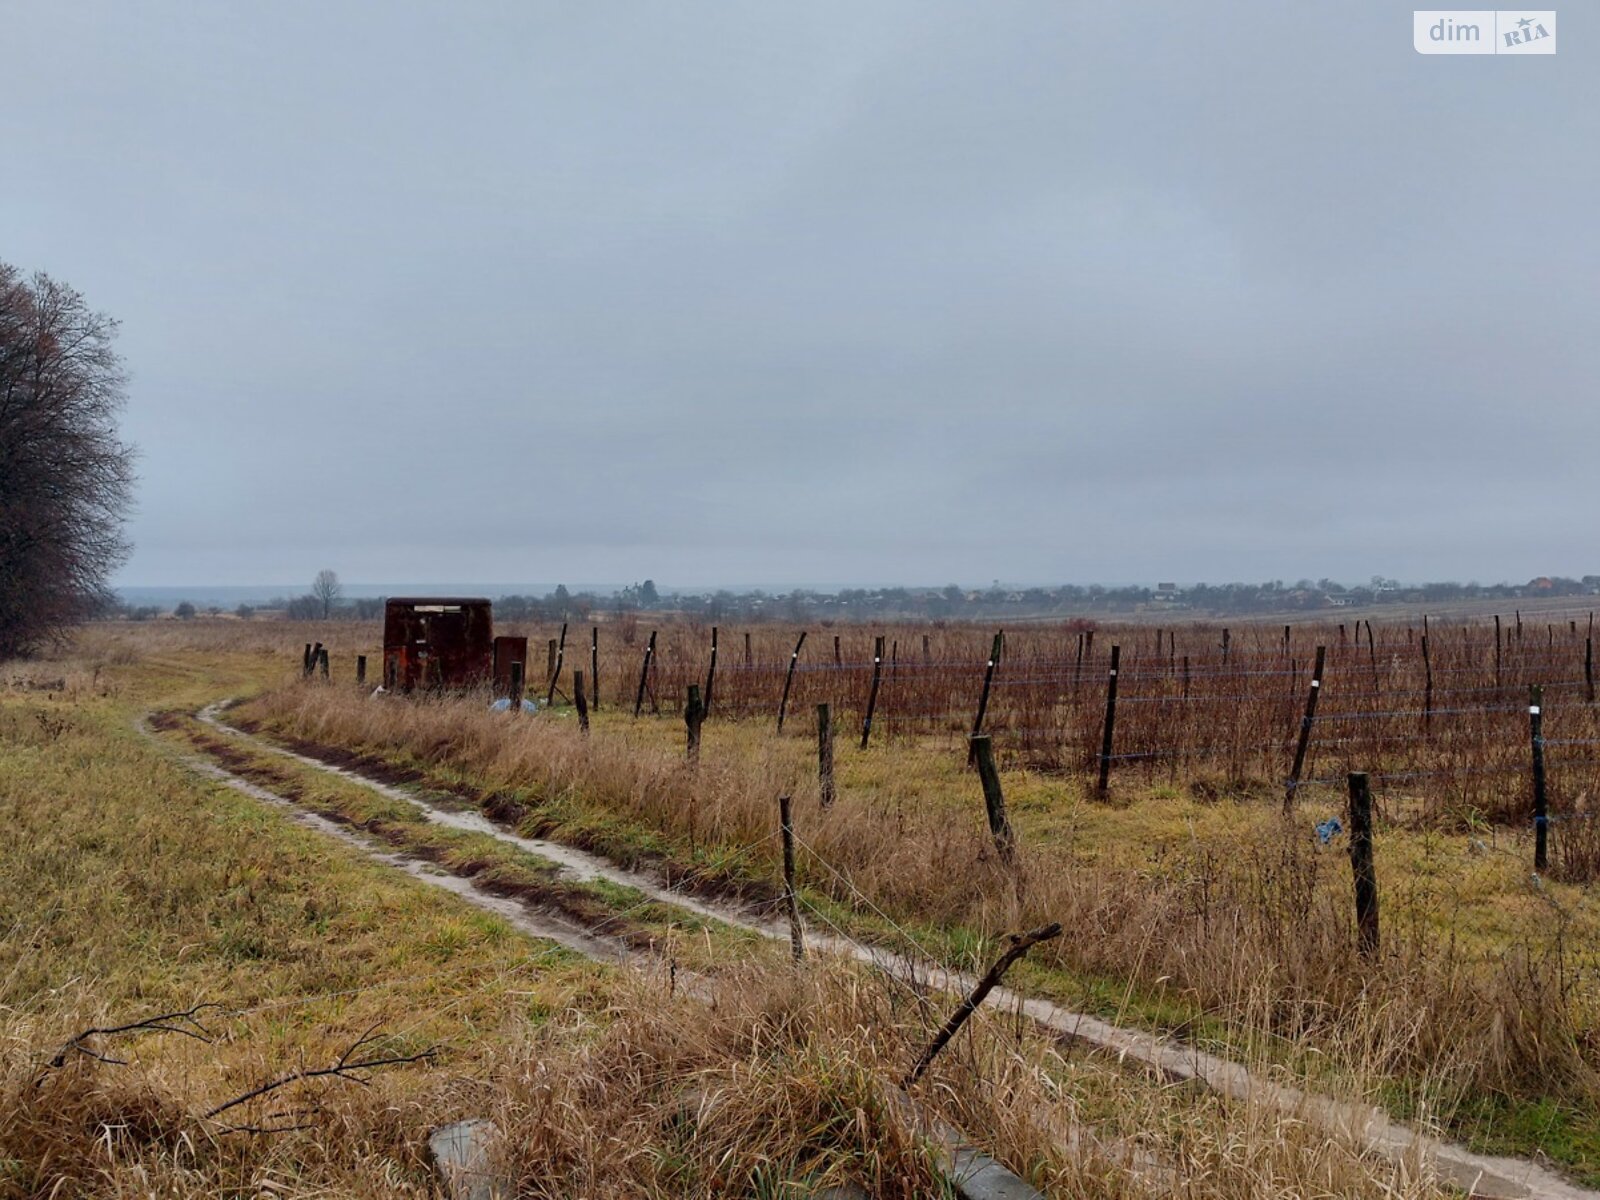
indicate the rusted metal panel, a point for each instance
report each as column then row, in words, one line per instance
column 508, row 650
column 437, row 642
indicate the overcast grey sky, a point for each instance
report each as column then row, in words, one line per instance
column 759, row 293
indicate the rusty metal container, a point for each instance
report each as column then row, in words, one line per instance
column 437, row 642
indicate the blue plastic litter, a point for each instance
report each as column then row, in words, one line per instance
column 504, row 705
column 1329, row 829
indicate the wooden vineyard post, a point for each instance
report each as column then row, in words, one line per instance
column 515, row 697
column 694, row 715
column 797, row 942
column 748, row 660
column 1497, row 650
column 1226, row 637
column 838, row 654
column 927, row 651
column 361, row 669
column 995, row 651
column 1541, row 816
column 582, row 703
column 788, row 679
column 711, row 671
column 594, row 666
column 644, row 673
column 1427, row 686
column 1104, row 787
column 1588, row 668
column 550, row 664
column 1185, row 676
column 994, row 801
column 561, row 654
column 1361, row 865
column 322, row 662
column 825, row 756
column 305, row 662
column 872, row 695
column 1305, row 731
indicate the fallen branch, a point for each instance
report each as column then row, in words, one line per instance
column 1020, row 945
column 346, row 1068
column 185, row 1022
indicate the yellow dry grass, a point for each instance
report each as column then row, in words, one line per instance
column 129, row 887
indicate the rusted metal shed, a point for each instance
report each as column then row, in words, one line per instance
column 437, row 642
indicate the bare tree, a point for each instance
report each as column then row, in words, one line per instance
column 65, row 477
column 325, row 587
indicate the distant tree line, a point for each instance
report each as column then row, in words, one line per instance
column 325, row 601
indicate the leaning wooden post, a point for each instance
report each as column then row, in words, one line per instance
column 644, row 673
column 693, row 716
column 361, row 669
column 994, row 801
column 872, row 695
column 515, row 697
column 788, row 679
column 1541, row 817
column 1020, row 944
column 797, row 942
column 594, row 666
column 825, row 755
column 983, row 697
column 1305, row 731
column 305, row 662
column 1104, row 787
column 550, row 664
column 555, row 673
column 1366, row 877
column 711, row 671
column 322, row 662
column 1588, row 668
column 582, row 703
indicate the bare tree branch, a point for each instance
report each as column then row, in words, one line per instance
column 347, row 1068
column 1021, row 943
column 186, row 1023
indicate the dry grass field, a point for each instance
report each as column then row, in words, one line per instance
column 134, row 886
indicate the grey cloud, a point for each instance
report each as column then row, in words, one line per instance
column 824, row 292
